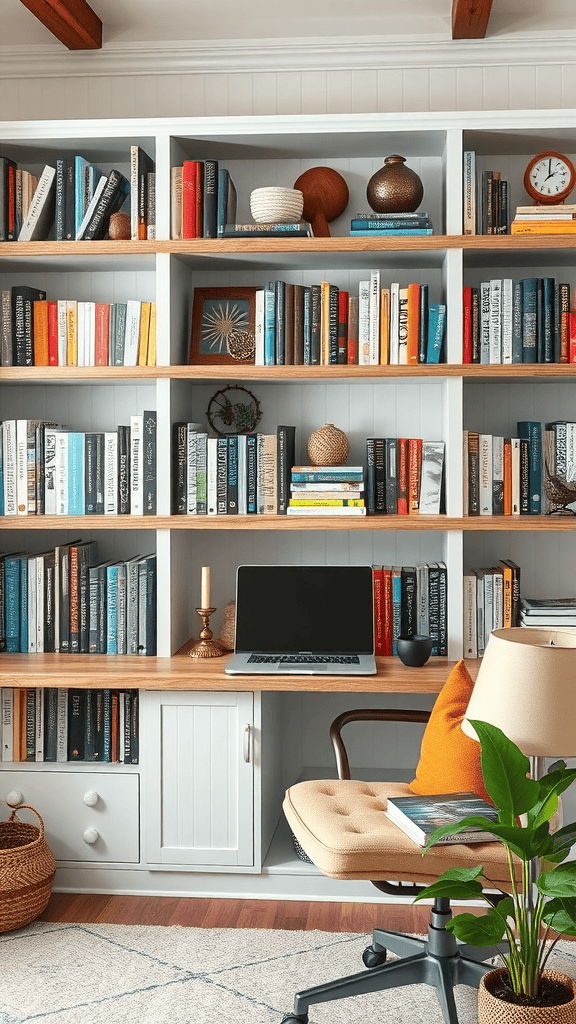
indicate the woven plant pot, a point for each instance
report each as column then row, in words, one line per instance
column 492, row 1010
column 27, row 870
column 328, row 446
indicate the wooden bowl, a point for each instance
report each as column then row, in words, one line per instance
column 325, row 197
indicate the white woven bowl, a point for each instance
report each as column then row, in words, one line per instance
column 282, row 205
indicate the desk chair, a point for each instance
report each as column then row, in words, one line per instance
column 341, row 827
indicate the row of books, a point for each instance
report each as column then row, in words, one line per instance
column 65, row 601
column 548, row 612
column 525, row 321
column 503, row 475
column 36, row 331
column 75, row 199
column 491, row 601
column 203, row 199
column 410, row 600
column 374, row 224
column 544, row 220
column 327, row 491
column 59, row 725
column 236, row 474
column 404, row 476
column 321, row 324
column 46, row 469
column 486, row 200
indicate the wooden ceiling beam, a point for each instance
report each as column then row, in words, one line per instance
column 73, row 22
column 470, row 18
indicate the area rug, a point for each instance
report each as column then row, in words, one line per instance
column 114, row 974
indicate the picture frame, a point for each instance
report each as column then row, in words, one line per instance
column 223, row 325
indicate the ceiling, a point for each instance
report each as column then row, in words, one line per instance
column 133, row 21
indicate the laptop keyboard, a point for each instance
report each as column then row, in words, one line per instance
column 303, row 659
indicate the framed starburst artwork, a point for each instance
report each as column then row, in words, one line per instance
column 223, row 325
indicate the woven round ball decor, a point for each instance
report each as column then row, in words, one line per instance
column 27, row 869
column 328, row 446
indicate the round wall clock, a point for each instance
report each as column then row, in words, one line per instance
column 549, row 178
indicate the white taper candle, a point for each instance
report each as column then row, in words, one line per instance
column 205, row 598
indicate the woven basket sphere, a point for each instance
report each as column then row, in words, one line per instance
column 328, row 446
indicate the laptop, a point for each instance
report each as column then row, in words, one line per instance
column 304, row 620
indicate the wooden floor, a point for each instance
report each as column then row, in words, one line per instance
column 211, row 913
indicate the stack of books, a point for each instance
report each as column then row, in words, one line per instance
column 544, row 220
column 300, row 228
column 391, row 224
column 485, row 200
column 410, row 599
column 327, row 491
column 548, row 613
column 404, row 476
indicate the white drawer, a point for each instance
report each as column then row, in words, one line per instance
column 88, row 816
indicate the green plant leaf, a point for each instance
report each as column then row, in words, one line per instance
column 506, row 908
column 551, row 786
column 505, row 770
column 560, row 914
column 475, row 821
column 458, row 883
column 486, row 930
column 560, row 881
column 562, row 843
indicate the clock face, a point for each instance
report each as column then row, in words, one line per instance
column 549, row 177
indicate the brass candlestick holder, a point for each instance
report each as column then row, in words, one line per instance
column 206, row 647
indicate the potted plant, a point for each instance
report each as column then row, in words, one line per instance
column 527, row 916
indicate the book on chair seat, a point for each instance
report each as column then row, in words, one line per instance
column 418, row 816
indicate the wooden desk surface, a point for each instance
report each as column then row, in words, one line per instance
column 183, row 673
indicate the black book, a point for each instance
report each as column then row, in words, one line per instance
column 380, row 475
column 391, row 454
column 475, row 323
column 7, row 199
column 111, row 199
column 442, row 610
column 131, row 727
column 289, row 324
column 23, row 298
column 140, row 166
column 232, row 488
column 76, row 716
column 433, row 604
column 123, row 470
column 50, row 722
column 222, row 475
column 6, row 336
column 408, row 601
column 286, row 455
column 98, row 714
column 333, row 324
column 524, row 476
column 49, row 601
column 85, row 559
column 315, row 324
column 210, row 212
column 126, row 698
column 107, row 732
column 94, row 473
column 147, row 606
column 149, row 461
column 179, row 467
column 63, row 167
column 89, row 736
column 251, row 473
column 370, row 476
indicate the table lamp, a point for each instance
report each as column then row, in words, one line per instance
column 526, row 686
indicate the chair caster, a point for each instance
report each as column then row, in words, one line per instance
column 374, row 957
column 295, row 1018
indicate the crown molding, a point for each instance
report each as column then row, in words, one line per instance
column 264, row 55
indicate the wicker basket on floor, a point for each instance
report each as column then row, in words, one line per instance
column 27, row 870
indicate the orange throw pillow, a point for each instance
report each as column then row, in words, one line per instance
column 450, row 760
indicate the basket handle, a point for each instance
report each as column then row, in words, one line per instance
column 26, row 807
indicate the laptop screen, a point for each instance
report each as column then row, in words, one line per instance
column 319, row 608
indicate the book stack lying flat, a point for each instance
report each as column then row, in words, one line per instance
column 544, row 220
column 301, row 228
column 391, row 224
column 418, row 816
column 327, row 491
column 548, row 613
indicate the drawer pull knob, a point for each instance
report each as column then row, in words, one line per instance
column 91, row 798
column 90, row 836
column 14, row 798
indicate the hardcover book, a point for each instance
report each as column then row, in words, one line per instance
column 418, row 816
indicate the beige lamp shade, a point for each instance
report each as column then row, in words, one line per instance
column 526, row 686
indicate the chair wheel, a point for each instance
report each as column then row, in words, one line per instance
column 295, row 1018
column 374, row 957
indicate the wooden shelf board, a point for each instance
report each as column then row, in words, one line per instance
column 183, row 673
column 277, row 522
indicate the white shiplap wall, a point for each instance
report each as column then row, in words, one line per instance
column 289, row 76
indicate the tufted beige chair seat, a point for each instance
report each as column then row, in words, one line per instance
column 341, row 825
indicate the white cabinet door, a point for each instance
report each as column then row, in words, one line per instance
column 92, row 817
column 199, row 778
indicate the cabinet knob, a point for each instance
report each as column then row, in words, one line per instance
column 90, row 798
column 14, row 798
column 90, row 836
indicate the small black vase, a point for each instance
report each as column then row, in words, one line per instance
column 415, row 650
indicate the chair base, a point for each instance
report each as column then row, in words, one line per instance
column 437, row 960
